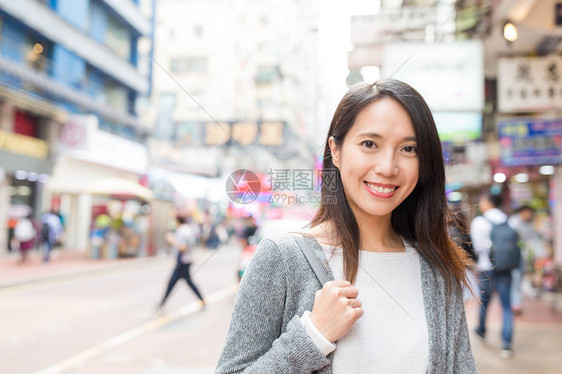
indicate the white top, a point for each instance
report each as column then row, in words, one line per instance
column 480, row 229
column 392, row 336
column 184, row 234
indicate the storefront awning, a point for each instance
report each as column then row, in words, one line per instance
column 120, row 187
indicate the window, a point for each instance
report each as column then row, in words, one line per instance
column 116, row 96
column 37, row 54
column 267, row 74
column 118, row 38
column 189, row 65
column 165, row 127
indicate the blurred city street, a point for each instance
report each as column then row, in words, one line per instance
column 90, row 317
column 103, row 318
column 144, row 142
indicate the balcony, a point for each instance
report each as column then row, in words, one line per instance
column 130, row 13
column 42, row 19
column 43, row 83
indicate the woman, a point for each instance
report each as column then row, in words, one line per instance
column 394, row 304
column 183, row 241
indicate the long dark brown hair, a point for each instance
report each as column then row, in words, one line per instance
column 421, row 219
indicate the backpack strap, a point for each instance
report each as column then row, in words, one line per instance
column 312, row 259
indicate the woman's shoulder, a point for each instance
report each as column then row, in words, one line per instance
column 279, row 254
column 284, row 244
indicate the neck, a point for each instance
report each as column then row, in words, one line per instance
column 377, row 235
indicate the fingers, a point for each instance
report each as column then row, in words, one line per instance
column 348, row 292
column 336, row 308
column 355, row 303
column 342, row 287
column 337, row 283
column 339, row 289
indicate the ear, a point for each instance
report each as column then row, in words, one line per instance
column 335, row 151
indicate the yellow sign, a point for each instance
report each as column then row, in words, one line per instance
column 217, row 133
column 245, row 133
column 24, row 145
column 271, row 133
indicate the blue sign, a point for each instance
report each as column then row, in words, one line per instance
column 530, row 142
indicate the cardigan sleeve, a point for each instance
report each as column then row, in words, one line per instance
column 464, row 360
column 255, row 341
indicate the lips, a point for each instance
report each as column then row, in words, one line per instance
column 383, row 190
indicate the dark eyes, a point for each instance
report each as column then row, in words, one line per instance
column 410, row 149
column 369, row 144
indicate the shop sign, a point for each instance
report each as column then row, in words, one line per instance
column 389, row 23
column 78, row 131
column 244, row 133
column 458, row 127
column 24, row 145
column 529, row 83
column 189, row 133
column 530, row 142
column 449, row 76
column 196, row 160
column 468, row 175
column 114, row 151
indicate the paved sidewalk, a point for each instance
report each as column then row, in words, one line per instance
column 537, row 339
column 537, row 334
column 64, row 263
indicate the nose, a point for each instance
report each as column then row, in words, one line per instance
column 386, row 164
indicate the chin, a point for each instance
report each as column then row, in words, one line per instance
column 376, row 210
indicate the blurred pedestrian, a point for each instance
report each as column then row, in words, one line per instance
column 248, row 230
column 522, row 221
column 51, row 232
column 491, row 278
column 25, row 234
column 388, row 295
column 183, row 241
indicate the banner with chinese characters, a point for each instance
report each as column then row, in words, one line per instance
column 531, row 142
column 528, row 84
column 244, row 133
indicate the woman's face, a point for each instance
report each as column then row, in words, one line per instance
column 378, row 159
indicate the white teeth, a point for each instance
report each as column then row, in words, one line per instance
column 381, row 189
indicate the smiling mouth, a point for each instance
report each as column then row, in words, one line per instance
column 381, row 189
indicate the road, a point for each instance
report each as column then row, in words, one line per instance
column 106, row 322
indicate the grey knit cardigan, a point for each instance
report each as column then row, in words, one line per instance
column 267, row 337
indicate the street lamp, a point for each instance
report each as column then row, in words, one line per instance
column 509, row 32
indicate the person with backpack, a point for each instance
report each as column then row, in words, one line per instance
column 496, row 246
column 51, row 231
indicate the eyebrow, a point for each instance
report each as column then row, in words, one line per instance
column 375, row 135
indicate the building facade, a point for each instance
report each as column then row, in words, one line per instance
column 73, row 74
column 235, row 84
